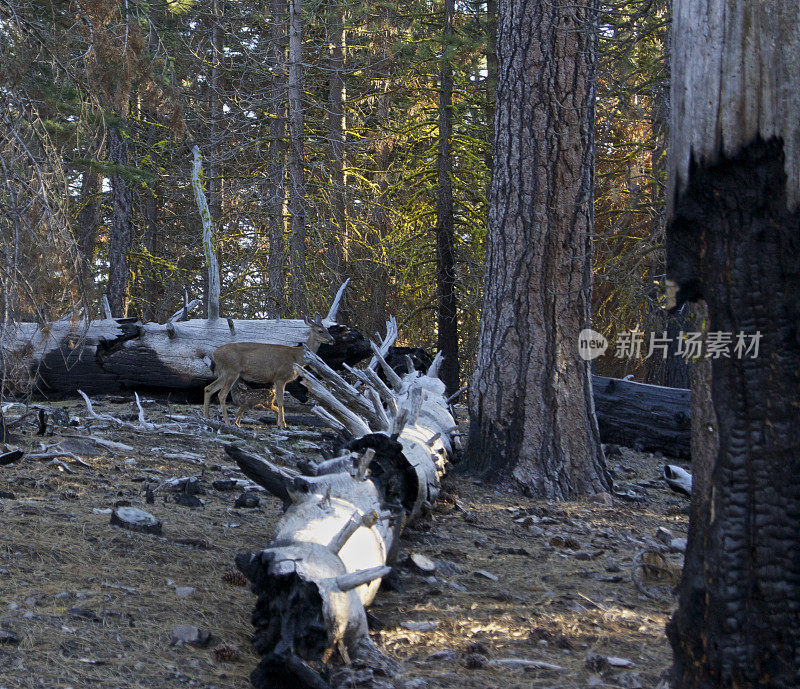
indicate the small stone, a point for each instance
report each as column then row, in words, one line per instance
column 583, row 555
column 615, row 661
column 421, row 563
column 188, row 500
column 612, row 565
column 678, row 544
column 135, row 519
column 444, row 654
column 189, row 634
column 8, row 637
column 664, row 535
column 225, row 484
column 595, row 681
column 247, row 501
column 184, row 591
column 486, row 575
column 419, row 626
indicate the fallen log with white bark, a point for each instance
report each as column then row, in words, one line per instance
column 112, row 355
column 339, row 534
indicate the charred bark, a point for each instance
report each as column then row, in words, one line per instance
column 531, row 411
column 447, row 321
column 734, row 240
column 648, row 418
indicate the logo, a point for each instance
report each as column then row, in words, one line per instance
column 591, row 344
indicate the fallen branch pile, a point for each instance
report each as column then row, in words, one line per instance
column 343, row 517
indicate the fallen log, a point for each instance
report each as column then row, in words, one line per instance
column 112, row 355
column 645, row 417
column 338, row 535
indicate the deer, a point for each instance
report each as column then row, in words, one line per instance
column 268, row 364
column 247, row 398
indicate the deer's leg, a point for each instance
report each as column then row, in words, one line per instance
column 270, row 403
column 279, row 388
column 208, row 392
column 225, row 388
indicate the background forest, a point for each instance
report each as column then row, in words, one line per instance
column 321, row 126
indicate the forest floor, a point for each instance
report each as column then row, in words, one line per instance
column 92, row 605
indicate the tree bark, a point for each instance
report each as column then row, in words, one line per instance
column 277, row 156
column 213, row 170
column 151, row 235
column 447, row 321
column 490, row 83
column 91, row 203
column 337, row 243
column 297, row 191
column 733, row 239
column 531, row 411
column 121, row 223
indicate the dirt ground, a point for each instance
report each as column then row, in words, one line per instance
column 93, row 605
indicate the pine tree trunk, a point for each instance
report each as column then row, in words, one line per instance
column 277, row 157
column 337, row 243
column 90, row 205
column 531, row 410
column 490, row 82
column 733, row 239
column 445, row 234
column 121, row 223
column 151, row 234
column 213, row 169
column 297, row 241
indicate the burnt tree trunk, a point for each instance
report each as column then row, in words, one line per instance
column 337, row 243
column 277, row 157
column 734, row 240
column 531, row 411
column 298, row 295
column 121, row 223
column 447, row 321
